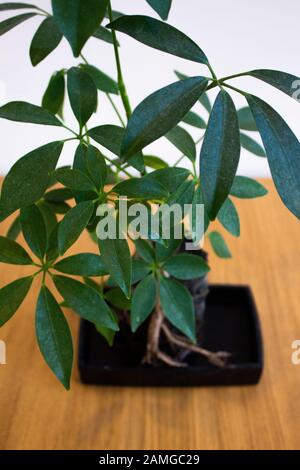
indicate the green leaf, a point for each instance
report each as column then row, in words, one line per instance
column 246, row 119
column 229, row 218
column 73, row 225
column 82, row 94
column 204, row 99
column 285, row 82
column 219, row 245
column 78, row 20
column 186, row 266
column 140, row 269
column 84, row 264
column 74, row 179
column 52, row 249
column 54, row 337
column 143, row 301
column 86, row 301
column 141, row 188
column 53, row 99
column 117, row 298
column 45, row 40
column 194, row 120
column 11, row 23
column 14, row 230
column 48, row 216
column 183, row 194
column 13, row 253
column 28, row 179
column 159, row 35
column 170, row 178
column 199, row 226
column 11, row 297
column 58, row 207
column 162, row 7
column 117, row 259
column 283, row 152
column 247, row 188
column 220, row 154
column 59, row 195
column 108, row 334
column 96, row 166
column 178, row 307
column 159, row 113
column 34, row 230
column 21, row 111
column 111, row 137
column 154, row 162
column 102, row 81
column 145, row 250
column 252, row 146
column 164, row 252
column 104, row 35
column 16, row 6
column 182, row 141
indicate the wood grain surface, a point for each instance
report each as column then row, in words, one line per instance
column 37, row 413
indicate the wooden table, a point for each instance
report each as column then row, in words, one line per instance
column 37, row 413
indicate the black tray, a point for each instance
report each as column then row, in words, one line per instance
column 231, row 324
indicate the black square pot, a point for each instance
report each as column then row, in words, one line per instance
column 231, row 324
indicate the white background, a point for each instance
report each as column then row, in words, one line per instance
column 236, row 36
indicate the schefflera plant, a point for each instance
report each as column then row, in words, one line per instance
column 150, row 283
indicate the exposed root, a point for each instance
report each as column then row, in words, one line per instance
column 219, row 359
column 169, row 361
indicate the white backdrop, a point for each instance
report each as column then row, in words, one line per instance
column 236, row 36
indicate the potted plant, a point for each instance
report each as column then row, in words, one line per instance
column 142, row 323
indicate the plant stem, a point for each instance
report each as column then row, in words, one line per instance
column 229, row 77
column 115, row 109
column 119, row 167
column 234, row 89
column 121, row 83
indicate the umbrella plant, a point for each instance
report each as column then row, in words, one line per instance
column 52, row 205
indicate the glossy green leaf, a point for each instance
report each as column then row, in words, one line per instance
column 96, row 167
column 78, row 19
column 182, row 141
column 199, row 222
column 229, row 218
column 170, row 178
column 183, row 194
column 219, row 245
column 59, row 195
column 162, row 7
column 21, row 111
column 11, row 23
column 16, row 6
column 247, row 188
column 34, row 230
column 11, row 297
column 252, row 146
column 159, row 35
column 178, row 307
column 48, row 216
column 28, row 179
column 117, row 259
column 117, row 298
column 82, row 94
column 45, row 40
column 143, row 301
column 58, row 207
column 13, row 253
column 83, row 264
column 246, row 119
column 145, row 250
column 108, row 334
column 141, row 188
column 154, row 162
column 194, row 120
column 102, row 81
column 54, row 336
column 283, row 152
column 74, row 179
column 104, row 35
column 220, row 154
column 14, row 229
column 140, row 269
column 111, row 137
column 186, row 266
column 73, row 225
column 164, row 252
column 86, row 302
column 159, row 113
column 285, row 82
column 53, row 99
column 204, row 99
